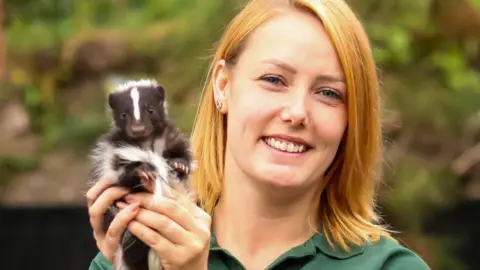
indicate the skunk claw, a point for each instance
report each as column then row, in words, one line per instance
column 180, row 165
column 151, row 176
column 142, row 174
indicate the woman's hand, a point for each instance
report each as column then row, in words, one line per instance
column 176, row 229
column 100, row 196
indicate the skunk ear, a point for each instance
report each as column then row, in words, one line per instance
column 161, row 92
column 112, row 101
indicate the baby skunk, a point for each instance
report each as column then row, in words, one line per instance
column 144, row 151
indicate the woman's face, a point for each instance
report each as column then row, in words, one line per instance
column 285, row 102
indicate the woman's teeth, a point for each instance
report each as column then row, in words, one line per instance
column 285, row 146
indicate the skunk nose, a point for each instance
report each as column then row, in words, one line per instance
column 138, row 129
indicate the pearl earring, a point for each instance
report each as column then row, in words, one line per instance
column 218, row 103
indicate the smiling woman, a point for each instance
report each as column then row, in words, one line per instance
column 289, row 93
column 287, row 138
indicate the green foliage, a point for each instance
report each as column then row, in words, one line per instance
column 443, row 248
column 12, row 165
column 430, row 79
column 476, row 3
column 80, row 132
column 458, row 76
column 183, row 49
column 394, row 49
column 395, row 29
column 418, row 189
column 425, row 76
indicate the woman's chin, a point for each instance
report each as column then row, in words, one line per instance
column 274, row 174
column 281, row 177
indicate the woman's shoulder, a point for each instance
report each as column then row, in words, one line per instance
column 394, row 256
column 383, row 254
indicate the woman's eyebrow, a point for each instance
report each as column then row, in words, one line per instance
column 281, row 64
column 330, row 79
column 289, row 68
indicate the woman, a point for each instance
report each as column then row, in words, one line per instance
column 290, row 181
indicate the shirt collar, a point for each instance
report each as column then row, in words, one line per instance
column 317, row 243
column 321, row 242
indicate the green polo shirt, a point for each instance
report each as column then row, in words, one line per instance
column 315, row 254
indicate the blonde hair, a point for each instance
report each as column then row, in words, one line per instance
column 347, row 202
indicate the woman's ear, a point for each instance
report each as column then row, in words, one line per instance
column 221, row 85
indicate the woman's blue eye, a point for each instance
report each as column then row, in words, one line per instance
column 330, row 93
column 273, row 79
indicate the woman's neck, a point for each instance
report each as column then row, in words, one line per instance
column 252, row 225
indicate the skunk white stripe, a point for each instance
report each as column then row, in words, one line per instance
column 165, row 108
column 135, row 99
column 119, row 265
column 102, row 156
column 154, row 262
column 136, row 83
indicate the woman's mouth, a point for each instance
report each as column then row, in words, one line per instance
column 285, row 145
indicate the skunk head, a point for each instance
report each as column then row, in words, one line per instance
column 138, row 108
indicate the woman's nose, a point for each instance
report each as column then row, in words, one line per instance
column 295, row 112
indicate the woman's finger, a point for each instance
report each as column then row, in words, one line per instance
column 167, row 207
column 163, row 225
column 101, row 204
column 186, row 200
column 119, row 225
column 153, row 239
column 200, row 214
column 195, row 211
column 97, row 189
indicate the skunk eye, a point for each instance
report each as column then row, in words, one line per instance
column 150, row 110
column 124, row 115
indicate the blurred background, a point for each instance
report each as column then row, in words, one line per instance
column 59, row 58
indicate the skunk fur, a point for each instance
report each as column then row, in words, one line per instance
column 142, row 141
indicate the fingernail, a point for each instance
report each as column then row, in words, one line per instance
column 129, row 199
column 135, row 207
column 121, row 205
